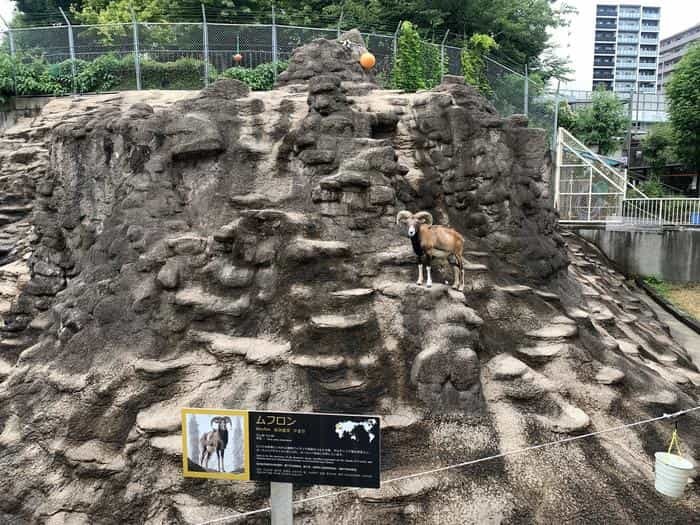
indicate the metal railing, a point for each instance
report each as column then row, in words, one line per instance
column 667, row 211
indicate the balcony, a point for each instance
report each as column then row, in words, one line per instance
column 627, row 51
column 647, row 90
column 627, row 64
column 625, row 76
column 647, row 78
column 606, row 11
column 651, row 15
column 605, row 24
column 603, row 75
column 649, row 27
column 629, row 13
column 627, row 38
column 604, row 37
column 603, row 63
column 623, row 88
column 628, row 27
column 648, row 53
column 649, row 40
column 604, row 50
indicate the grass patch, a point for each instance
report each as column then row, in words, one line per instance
column 685, row 296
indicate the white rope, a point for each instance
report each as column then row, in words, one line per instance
column 458, row 465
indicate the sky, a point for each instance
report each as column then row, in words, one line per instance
column 576, row 41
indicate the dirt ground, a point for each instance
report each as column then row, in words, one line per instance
column 686, row 297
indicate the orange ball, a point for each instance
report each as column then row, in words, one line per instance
column 367, row 60
column 237, row 58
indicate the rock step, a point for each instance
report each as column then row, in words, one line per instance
column 404, row 491
column 547, row 296
column 505, row 366
column 543, row 353
column 255, row 350
column 302, row 249
column 664, row 398
column 514, row 289
column 571, row 419
column 628, row 347
column 559, row 327
column 338, row 322
column 353, row 293
column 609, row 375
column 343, row 385
column 207, row 303
column 475, row 267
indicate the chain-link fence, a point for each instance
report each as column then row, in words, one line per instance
column 96, row 58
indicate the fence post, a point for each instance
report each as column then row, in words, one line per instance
column 340, row 21
column 442, row 55
column 137, row 54
column 11, row 39
column 396, row 46
column 71, row 47
column 559, row 158
column 205, row 39
column 274, row 45
column 556, row 116
column 527, row 88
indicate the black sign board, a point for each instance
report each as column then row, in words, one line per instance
column 314, row 449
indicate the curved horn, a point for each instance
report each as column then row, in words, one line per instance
column 403, row 215
column 424, row 216
column 227, row 420
column 214, row 420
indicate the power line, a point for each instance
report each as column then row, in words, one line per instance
column 235, row 517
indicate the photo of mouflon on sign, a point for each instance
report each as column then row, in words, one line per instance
column 215, row 444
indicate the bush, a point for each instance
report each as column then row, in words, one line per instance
column 106, row 73
column 26, row 77
column 408, row 73
column 474, row 64
column 259, row 78
column 433, row 69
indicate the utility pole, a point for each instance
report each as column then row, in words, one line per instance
column 205, row 40
column 442, row 55
column 526, row 92
column 137, row 57
column 71, row 47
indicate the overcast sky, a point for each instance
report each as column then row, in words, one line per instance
column 576, row 41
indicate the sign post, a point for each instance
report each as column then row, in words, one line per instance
column 282, row 448
column 281, row 503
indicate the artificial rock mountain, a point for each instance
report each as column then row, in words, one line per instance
column 239, row 250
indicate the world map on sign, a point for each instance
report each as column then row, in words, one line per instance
column 349, row 428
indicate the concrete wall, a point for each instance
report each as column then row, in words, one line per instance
column 19, row 107
column 670, row 255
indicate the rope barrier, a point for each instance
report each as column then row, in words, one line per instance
column 236, row 517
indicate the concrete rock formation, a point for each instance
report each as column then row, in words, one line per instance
column 340, row 58
column 239, row 249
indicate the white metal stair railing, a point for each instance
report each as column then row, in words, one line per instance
column 587, row 189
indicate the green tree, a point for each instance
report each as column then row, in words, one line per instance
column 567, row 116
column 408, row 73
column 603, row 122
column 658, row 148
column 474, row 64
column 683, row 92
column 433, row 68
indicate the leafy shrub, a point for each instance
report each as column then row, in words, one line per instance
column 408, row 73
column 259, row 78
column 473, row 63
column 26, row 77
column 433, row 68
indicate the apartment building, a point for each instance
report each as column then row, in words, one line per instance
column 626, row 48
column 671, row 50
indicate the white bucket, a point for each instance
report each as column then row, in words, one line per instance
column 672, row 474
